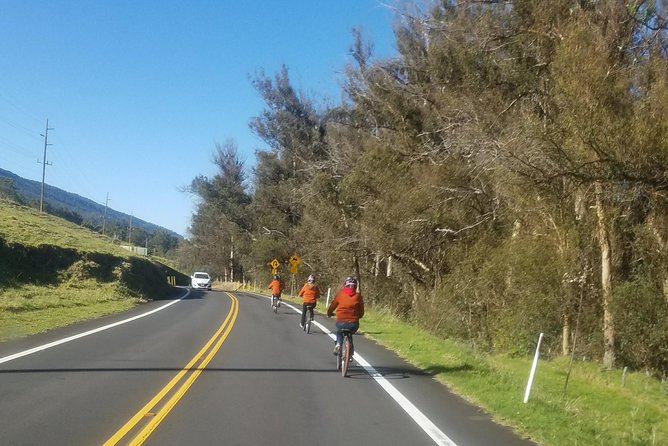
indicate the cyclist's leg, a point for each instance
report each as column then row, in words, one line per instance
column 339, row 337
column 303, row 315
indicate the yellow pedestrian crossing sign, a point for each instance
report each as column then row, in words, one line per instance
column 294, row 261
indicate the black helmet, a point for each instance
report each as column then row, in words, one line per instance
column 351, row 282
column 277, row 277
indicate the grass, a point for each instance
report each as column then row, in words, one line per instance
column 597, row 409
column 31, row 309
column 54, row 273
column 26, row 226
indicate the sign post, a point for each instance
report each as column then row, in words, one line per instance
column 294, row 262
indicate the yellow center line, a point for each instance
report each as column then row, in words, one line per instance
column 220, row 336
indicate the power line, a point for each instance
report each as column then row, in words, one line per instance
column 15, row 148
column 16, row 126
column 6, row 99
column 79, row 179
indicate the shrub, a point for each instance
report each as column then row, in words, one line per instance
column 641, row 322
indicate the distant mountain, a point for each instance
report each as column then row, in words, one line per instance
column 91, row 212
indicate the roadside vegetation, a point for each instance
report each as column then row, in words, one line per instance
column 30, row 309
column 504, row 174
column 54, row 273
column 597, row 407
column 25, row 226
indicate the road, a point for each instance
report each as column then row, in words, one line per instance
column 216, row 368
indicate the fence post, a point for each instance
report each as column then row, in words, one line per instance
column 328, row 291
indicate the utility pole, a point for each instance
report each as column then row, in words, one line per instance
column 44, row 163
column 232, row 258
column 104, row 219
column 130, row 231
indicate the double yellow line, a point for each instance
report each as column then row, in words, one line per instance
column 155, row 410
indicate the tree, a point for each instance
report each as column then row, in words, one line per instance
column 8, row 190
column 221, row 223
column 294, row 131
column 503, row 174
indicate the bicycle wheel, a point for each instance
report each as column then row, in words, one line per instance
column 274, row 305
column 345, row 360
column 309, row 318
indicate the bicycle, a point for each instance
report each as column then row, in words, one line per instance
column 345, row 352
column 274, row 303
column 308, row 319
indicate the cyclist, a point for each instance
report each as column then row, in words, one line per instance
column 310, row 292
column 349, row 307
column 276, row 287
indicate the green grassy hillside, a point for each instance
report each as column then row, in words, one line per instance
column 53, row 273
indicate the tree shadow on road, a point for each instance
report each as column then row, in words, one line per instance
column 355, row 370
column 390, row 372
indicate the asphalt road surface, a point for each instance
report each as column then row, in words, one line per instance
column 215, row 368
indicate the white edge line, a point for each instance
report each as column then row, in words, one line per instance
column 421, row 419
column 87, row 333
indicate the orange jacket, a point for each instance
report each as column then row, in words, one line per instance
column 310, row 292
column 348, row 304
column 276, row 287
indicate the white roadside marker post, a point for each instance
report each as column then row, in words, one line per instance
column 533, row 369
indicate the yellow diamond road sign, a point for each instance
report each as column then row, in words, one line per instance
column 275, row 264
column 294, row 260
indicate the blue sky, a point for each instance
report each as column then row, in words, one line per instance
column 139, row 92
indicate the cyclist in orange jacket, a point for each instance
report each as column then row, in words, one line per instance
column 276, row 287
column 310, row 292
column 349, row 307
